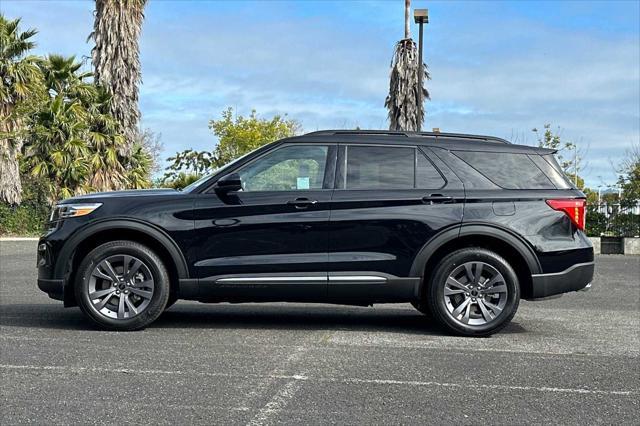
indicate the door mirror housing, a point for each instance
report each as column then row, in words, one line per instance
column 228, row 183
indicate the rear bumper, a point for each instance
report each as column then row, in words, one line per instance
column 575, row 278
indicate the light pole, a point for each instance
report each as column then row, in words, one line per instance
column 421, row 16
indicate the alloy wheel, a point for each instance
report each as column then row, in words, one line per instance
column 121, row 287
column 475, row 293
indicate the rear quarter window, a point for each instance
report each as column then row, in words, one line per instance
column 507, row 170
column 549, row 165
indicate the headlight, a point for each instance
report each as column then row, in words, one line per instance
column 64, row 211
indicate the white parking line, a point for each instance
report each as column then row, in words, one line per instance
column 282, row 397
column 289, row 391
column 277, row 403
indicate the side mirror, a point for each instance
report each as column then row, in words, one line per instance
column 228, row 183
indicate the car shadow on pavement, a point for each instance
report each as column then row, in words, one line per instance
column 248, row 316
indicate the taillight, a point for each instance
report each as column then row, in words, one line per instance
column 574, row 208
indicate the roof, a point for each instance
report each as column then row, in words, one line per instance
column 455, row 141
column 407, row 134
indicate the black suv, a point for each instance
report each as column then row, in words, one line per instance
column 460, row 226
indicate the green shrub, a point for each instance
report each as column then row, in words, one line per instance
column 596, row 224
column 29, row 218
column 180, row 180
column 616, row 225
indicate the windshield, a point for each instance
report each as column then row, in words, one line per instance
column 205, row 178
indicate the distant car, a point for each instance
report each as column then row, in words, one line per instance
column 460, row 226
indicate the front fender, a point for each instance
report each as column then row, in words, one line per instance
column 93, row 228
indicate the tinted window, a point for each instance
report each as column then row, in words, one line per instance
column 471, row 177
column 289, row 168
column 555, row 175
column 426, row 174
column 510, row 171
column 379, row 167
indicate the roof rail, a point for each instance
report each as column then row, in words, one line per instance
column 464, row 136
column 358, row 132
column 408, row 134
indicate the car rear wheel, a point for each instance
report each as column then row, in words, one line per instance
column 473, row 292
column 122, row 285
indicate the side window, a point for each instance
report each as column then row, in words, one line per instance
column 380, row 167
column 426, row 174
column 551, row 168
column 510, row 171
column 472, row 178
column 290, row 168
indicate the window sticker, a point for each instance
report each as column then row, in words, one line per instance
column 303, row 183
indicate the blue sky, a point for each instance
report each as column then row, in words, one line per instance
column 498, row 68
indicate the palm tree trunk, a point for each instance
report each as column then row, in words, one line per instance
column 10, row 184
column 116, row 60
column 403, row 82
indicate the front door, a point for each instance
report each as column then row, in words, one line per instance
column 268, row 241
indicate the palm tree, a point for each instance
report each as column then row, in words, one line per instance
column 116, row 61
column 56, row 152
column 62, row 75
column 139, row 165
column 105, row 141
column 403, row 85
column 74, row 145
column 20, row 84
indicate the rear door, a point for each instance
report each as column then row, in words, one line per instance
column 389, row 201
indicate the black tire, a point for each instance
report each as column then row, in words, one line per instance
column 437, row 303
column 153, row 266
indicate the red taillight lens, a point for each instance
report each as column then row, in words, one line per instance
column 574, row 208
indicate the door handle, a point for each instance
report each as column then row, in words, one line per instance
column 301, row 203
column 225, row 222
column 437, row 199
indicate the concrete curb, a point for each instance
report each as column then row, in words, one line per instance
column 630, row 245
column 19, row 239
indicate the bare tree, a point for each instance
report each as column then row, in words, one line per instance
column 153, row 146
column 403, row 85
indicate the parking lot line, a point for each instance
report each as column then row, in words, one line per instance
column 288, row 391
column 277, row 403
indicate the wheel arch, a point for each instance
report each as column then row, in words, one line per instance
column 90, row 237
column 504, row 242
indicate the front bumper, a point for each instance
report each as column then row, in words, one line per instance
column 48, row 282
column 54, row 288
column 575, row 278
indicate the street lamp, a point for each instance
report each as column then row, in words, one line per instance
column 420, row 16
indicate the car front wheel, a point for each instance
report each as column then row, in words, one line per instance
column 473, row 292
column 122, row 285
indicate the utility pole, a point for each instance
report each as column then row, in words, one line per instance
column 421, row 17
column 575, row 165
column 407, row 21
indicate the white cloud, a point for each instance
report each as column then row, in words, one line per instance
column 493, row 73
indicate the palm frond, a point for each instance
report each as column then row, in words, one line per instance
column 402, row 101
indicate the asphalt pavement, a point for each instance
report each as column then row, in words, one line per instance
column 572, row 360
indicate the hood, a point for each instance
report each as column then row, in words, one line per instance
column 120, row 194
